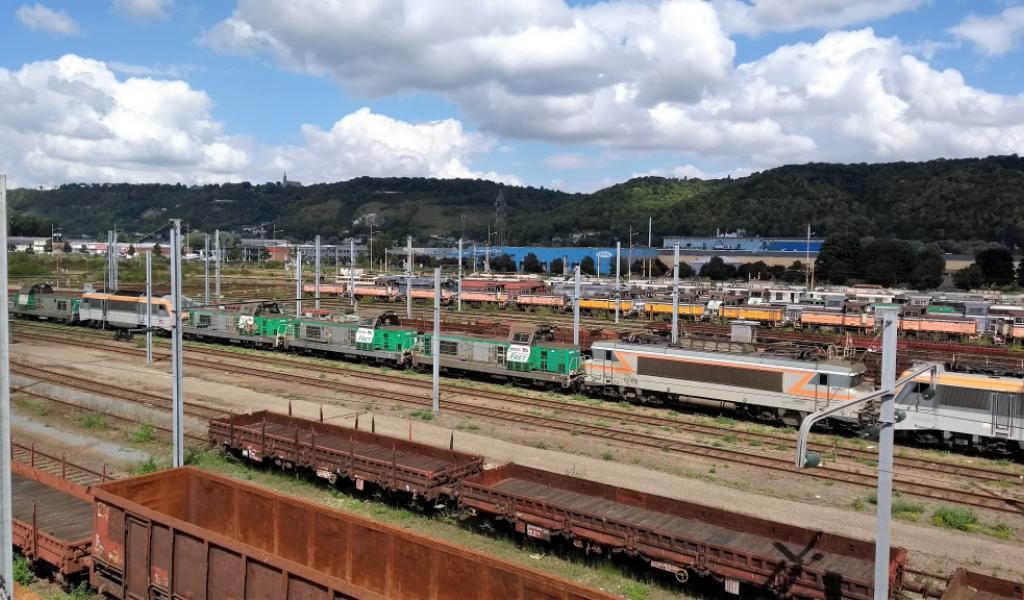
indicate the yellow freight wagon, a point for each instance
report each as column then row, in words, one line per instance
column 665, row 308
column 763, row 314
column 607, row 304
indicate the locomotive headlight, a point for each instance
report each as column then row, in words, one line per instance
column 929, row 393
column 899, row 416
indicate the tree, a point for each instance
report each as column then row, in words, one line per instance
column 531, row 264
column 754, row 270
column 503, row 264
column 685, row 270
column 48, row 246
column 930, row 270
column 839, row 257
column 83, row 249
column 381, row 242
column 556, row 266
column 131, row 249
column 794, row 273
column 889, row 261
column 996, row 266
column 777, row 271
column 970, row 278
column 157, row 250
column 1020, row 273
column 67, row 247
column 587, row 266
column 715, row 269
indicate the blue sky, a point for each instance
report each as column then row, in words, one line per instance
column 574, row 96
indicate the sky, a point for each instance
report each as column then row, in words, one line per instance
column 572, row 95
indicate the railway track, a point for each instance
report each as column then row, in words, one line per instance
column 776, row 440
column 644, row 441
column 105, row 413
column 60, row 466
column 106, row 389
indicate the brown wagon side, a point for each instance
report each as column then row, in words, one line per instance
column 333, row 451
column 51, row 520
column 185, row 533
column 680, row 537
column 968, row 585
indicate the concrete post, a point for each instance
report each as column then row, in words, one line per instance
column 298, row 281
column 459, row 291
column 352, row 270
column 675, row 294
column 149, row 307
column 435, row 344
column 618, row 274
column 6, row 528
column 883, row 532
column 216, row 264
column 206, row 269
column 177, row 402
column 408, row 279
column 576, row 311
column 316, row 283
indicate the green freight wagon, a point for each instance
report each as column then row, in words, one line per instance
column 259, row 323
column 379, row 338
column 40, row 301
column 528, row 354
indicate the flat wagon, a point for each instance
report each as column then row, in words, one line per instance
column 184, row 533
column 680, row 537
column 968, row 585
column 51, row 520
column 333, row 451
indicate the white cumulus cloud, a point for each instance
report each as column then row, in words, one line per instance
column 759, row 16
column 566, row 161
column 143, row 11
column 74, row 119
column 366, row 143
column 39, row 17
column 646, row 75
column 993, row 35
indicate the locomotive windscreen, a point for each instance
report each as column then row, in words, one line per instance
column 720, row 374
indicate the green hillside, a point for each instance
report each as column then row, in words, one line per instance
column 953, row 202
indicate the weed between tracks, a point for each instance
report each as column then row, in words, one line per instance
column 23, row 575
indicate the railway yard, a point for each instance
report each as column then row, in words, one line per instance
column 532, row 477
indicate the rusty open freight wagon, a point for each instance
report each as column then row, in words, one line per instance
column 333, row 451
column 968, row 585
column 680, row 537
column 52, row 520
column 185, row 533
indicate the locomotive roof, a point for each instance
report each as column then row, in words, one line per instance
column 834, row 367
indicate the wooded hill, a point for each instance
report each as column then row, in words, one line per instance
column 956, row 204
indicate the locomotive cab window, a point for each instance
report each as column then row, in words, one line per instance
column 448, row 347
column 520, row 338
column 821, row 379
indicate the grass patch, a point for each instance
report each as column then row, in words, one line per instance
column 22, row 573
column 636, row 590
column 961, row 519
column 468, row 426
column 142, row 434
column 858, row 504
column 92, row 421
column 35, row 407
column 725, row 421
column 729, row 438
column 425, row 415
column 147, row 466
column 542, row 445
column 607, row 455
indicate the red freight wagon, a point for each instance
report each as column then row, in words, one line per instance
column 968, row 585
column 679, row 536
column 333, row 451
column 51, row 519
column 185, row 533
